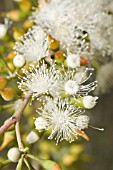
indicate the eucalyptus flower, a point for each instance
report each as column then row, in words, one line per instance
column 62, row 119
column 39, row 80
column 33, row 45
column 75, row 86
column 77, row 22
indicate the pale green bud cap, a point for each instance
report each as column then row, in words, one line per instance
column 40, row 123
column 89, row 102
column 3, row 30
column 19, row 61
column 32, row 137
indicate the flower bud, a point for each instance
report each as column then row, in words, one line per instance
column 14, row 15
column 8, row 138
column 17, row 33
column 3, row 82
column 7, row 94
column 82, row 122
column 53, row 43
column 40, row 123
column 32, row 137
column 73, row 60
column 28, row 24
column 84, row 61
column 59, row 57
column 65, row 63
column 19, row 61
column 13, row 154
column 25, row 6
column 10, row 56
column 71, row 87
column 87, row 102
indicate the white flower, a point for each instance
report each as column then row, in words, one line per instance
column 33, row 45
column 82, row 122
column 71, row 85
column 61, row 119
column 32, row 137
column 13, row 154
column 40, row 123
column 73, row 60
column 65, row 20
column 19, row 61
column 89, row 101
column 3, row 30
column 39, row 80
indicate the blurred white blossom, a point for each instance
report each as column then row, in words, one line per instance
column 72, row 22
column 82, row 122
column 33, row 45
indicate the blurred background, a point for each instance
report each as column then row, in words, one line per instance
column 97, row 154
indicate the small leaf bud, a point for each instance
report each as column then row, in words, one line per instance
column 53, row 43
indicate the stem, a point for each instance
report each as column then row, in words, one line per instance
column 4, row 163
column 17, row 115
column 18, row 136
column 27, row 164
column 7, row 106
column 13, row 75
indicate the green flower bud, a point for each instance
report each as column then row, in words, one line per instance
column 87, row 102
column 7, row 94
column 59, row 57
column 53, row 43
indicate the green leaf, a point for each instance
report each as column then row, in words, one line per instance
column 20, row 162
column 46, row 164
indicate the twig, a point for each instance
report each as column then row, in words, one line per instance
column 18, row 136
column 17, row 115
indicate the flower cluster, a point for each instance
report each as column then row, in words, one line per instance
column 55, row 51
column 78, row 20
